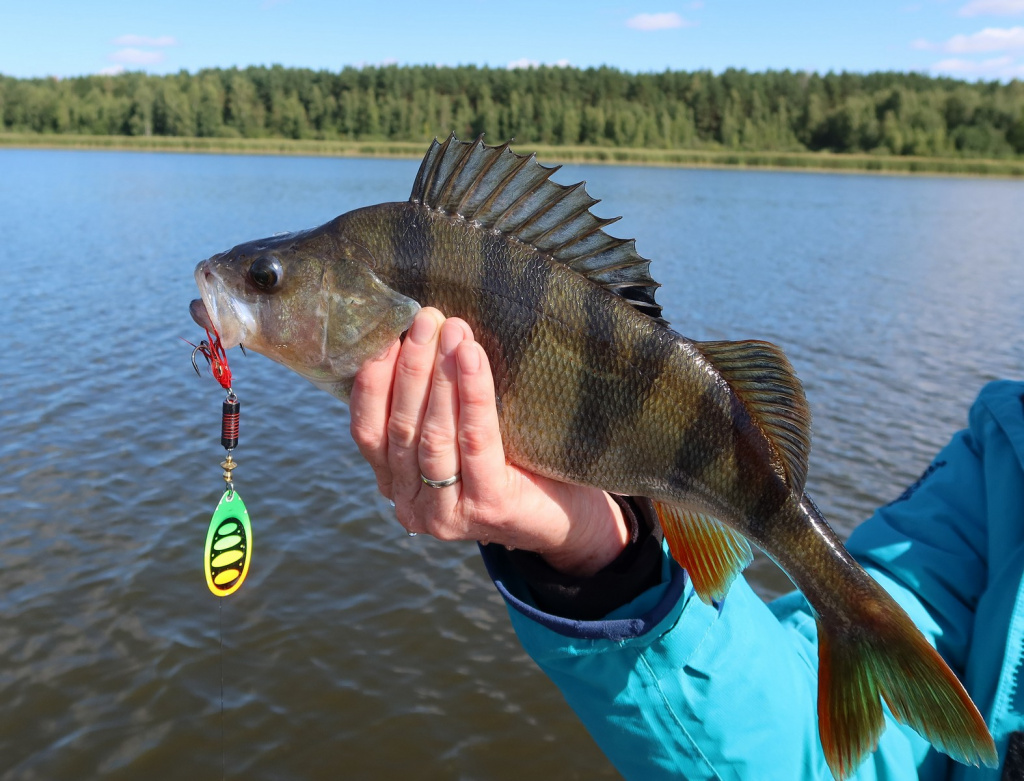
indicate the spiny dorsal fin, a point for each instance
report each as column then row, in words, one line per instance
column 763, row 378
column 711, row 553
column 499, row 190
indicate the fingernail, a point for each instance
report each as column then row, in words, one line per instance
column 450, row 338
column 423, row 329
column 469, row 359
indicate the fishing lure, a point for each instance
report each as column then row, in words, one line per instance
column 229, row 537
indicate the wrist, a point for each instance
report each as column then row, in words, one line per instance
column 597, row 534
column 593, row 597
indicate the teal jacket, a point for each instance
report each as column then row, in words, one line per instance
column 671, row 688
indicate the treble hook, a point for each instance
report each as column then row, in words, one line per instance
column 204, row 348
column 213, row 352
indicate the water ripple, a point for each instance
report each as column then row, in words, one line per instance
column 353, row 646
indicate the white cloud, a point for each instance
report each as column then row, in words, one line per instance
column 991, row 39
column 385, row 63
column 526, row 62
column 664, row 21
column 138, row 51
column 136, row 57
column 958, row 65
column 145, row 40
column 992, row 8
column 996, row 68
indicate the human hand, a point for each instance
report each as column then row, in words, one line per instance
column 427, row 407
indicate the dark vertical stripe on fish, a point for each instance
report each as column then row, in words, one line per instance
column 610, row 398
column 410, row 238
column 593, row 419
column 511, row 304
column 698, row 454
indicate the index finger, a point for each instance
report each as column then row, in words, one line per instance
column 368, row 413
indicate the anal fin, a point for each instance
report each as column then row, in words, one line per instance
column 711, row 553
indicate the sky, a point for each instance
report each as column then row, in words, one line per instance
column 970, row 39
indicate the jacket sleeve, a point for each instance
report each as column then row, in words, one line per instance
column 670, row 687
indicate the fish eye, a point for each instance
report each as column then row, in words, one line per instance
column 266, row 272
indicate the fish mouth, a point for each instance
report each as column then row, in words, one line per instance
column 197, row 309
column 218, row 310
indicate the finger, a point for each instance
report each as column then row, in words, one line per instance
column 409, row 395
column 368, row 413
column 438, row 447
column 480, row 448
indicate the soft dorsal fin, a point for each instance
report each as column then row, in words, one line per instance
column 763, row 378
column 500, row 190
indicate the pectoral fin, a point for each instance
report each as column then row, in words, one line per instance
column 711, row 553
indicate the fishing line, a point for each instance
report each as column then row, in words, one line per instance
column 223, row 750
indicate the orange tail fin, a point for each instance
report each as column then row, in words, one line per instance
column 892, row 661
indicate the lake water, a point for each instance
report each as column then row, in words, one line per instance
column 353, row 651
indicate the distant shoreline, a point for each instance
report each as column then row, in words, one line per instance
column 680, row 158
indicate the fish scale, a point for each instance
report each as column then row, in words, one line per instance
column 592, row 387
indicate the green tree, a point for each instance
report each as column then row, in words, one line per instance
column 207, row 98
column 893, row 113
column 1015, row 133
column 173, row 112
column 243, row 109
column 288, row 115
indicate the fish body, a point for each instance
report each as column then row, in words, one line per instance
column 594, row 388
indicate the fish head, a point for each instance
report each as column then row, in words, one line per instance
column 309, row 300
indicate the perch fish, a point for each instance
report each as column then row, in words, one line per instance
column 594, row 388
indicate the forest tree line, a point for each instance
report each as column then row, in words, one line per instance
column 881, row 113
